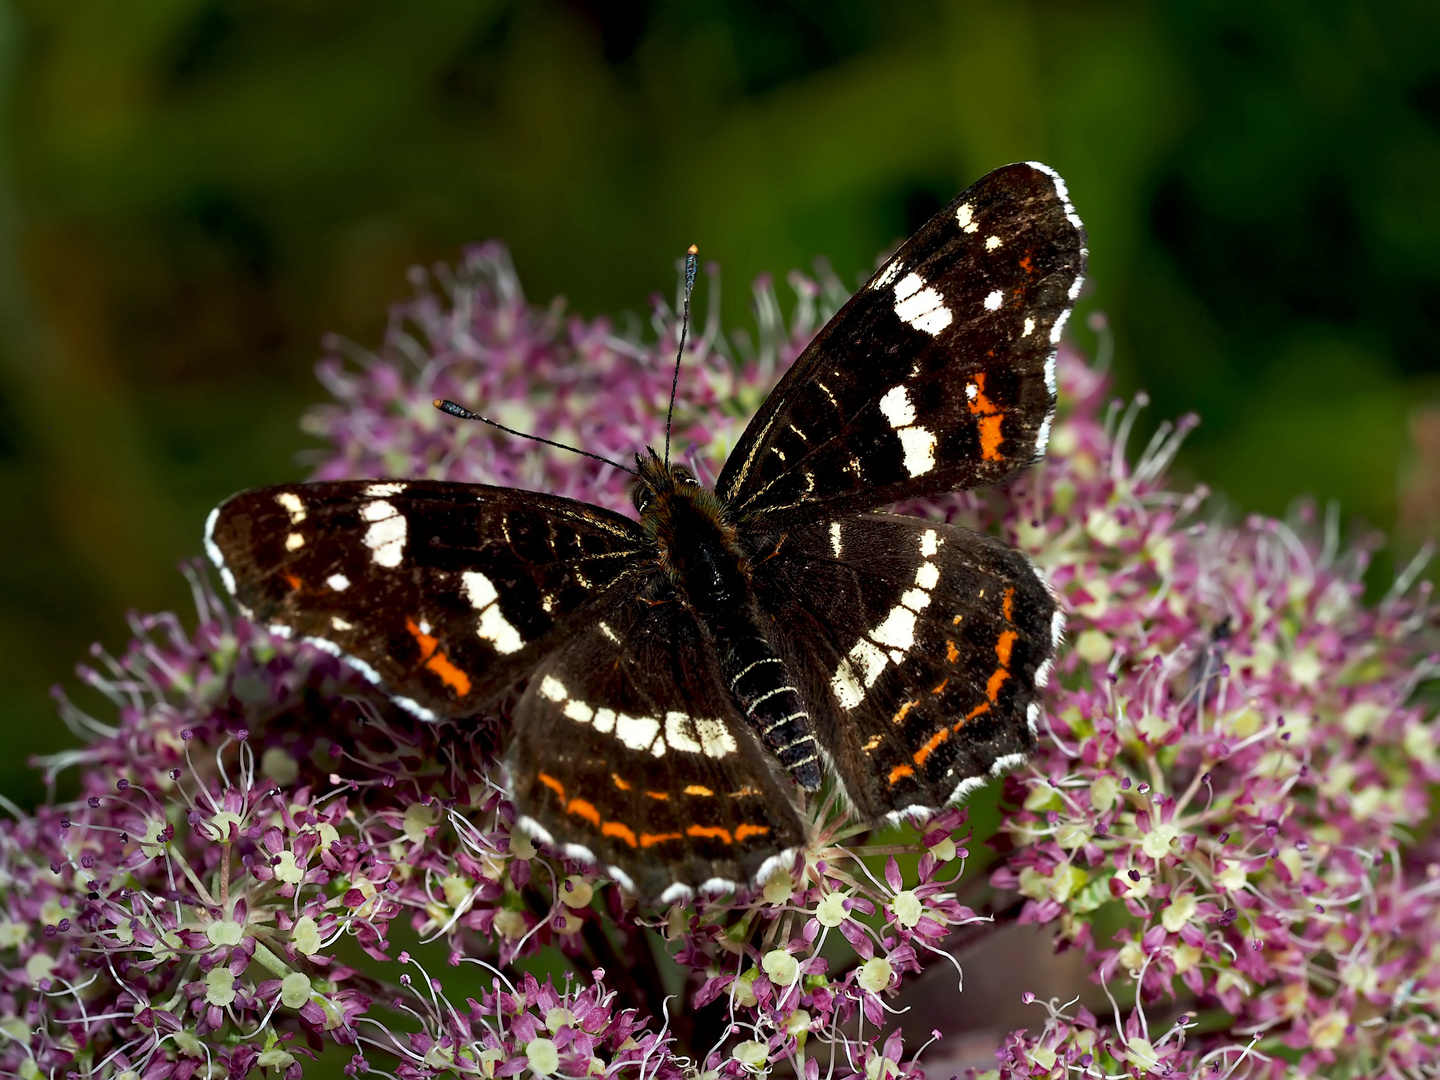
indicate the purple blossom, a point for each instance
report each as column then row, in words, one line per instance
column 1229, row 813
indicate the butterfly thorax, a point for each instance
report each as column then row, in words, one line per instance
column 696, row 546
column 698, row 549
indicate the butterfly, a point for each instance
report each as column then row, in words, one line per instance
column 685, row 676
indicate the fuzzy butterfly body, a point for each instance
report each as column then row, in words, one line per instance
column 687, row 675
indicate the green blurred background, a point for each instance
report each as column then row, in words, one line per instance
column 192, row 192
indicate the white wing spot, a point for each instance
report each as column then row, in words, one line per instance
column 553, row 689
column 918, row 443
column 992, row 242
column 211, row 548
column 493, row 626
column 871, row 659
column 497, row 630
column 294, row 542
column 702, row 736
column 928, row 576
column 605, row 629
column 965, row 787
column 715, row 738
column 678, row 893
column 1060, row 190
column 895, row 404
column 636, row 732
column 919, row 447
column 889, row 274
column 992, row 302
column 678, row 733
column 921, row 307
column 916, row 599
column 379, row 491
column 605, row 721
column 340, row 624
column 1050, row 373
column 1029, row 327
column 898, row 629
column 929, row 543
column 292, row 505
column 386, row 535
column 835, row 538
column 846, row 687
column 338, row 582
column 478, row 588
column 578, row 711
column 965, row 215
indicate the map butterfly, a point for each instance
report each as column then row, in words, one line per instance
column 683, row 678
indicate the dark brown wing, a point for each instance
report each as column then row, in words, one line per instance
column 628, row 751
column 938, row 374
column 923, row 647
column 445, row 594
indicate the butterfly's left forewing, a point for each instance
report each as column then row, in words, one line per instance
column 445, row 594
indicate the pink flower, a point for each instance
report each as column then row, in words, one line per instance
column 267, row 857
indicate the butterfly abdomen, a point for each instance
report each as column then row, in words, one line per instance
column 699, row 551
column 766, row 696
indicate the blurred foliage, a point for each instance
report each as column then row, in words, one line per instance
column 193, row 191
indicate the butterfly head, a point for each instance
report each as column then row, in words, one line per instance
column 657, row 484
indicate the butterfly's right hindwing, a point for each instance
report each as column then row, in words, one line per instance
column 464, row 586
column 923, row 647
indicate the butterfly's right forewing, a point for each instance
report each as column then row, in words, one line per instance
column 938, row 374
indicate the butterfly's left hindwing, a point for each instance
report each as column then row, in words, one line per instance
column 627, row 746
column 445, row 594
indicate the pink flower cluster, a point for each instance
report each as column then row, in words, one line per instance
column 269, row 862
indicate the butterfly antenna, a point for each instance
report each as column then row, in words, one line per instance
column 690, row 266
column 462, row 413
